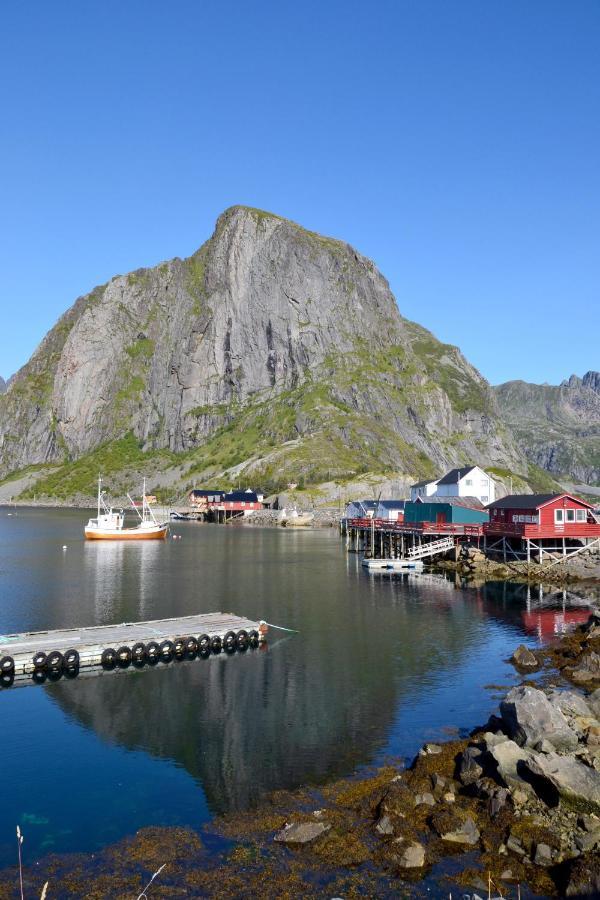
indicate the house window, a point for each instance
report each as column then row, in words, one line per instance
column 469, row 482
column 558, row 516
column 484, row 499
column 570, row 515
column 581, row 515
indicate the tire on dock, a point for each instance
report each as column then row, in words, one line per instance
column 54, row 661
column 229, row 642
column 138, row 652
column 167, row 649
column 253, row 637
column 109, row 658
column 123, row 656
column 71, row 659
column 152, row 651
column 216, row 644
column 191, row 646
column 39, row 660
column 7, row 665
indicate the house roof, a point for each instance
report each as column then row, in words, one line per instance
column 423, row 483
column 468, row 502
column 531, row 501
column 455, row 475
column 238, row 496
column 393, row 504
column 197, row 492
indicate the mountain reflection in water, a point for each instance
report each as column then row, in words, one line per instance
column 379, row 665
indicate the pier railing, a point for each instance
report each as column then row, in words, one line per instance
column 418, row 527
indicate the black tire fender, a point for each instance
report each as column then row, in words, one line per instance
column 138, row 651
column 39, row 660
column 109, row 657
column 71, row 658
column 7, row 665
column 54, row 660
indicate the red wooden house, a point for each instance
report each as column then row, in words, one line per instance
column 542, row 522
column 542, row 516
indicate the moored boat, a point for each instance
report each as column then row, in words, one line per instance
column 295, row 519
column 109, row 524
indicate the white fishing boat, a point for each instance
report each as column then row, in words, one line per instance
column 294, row 519
column 109, row 524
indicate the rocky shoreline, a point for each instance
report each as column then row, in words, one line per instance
column 515, row 804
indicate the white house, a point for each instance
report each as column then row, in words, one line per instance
column 389, row 510
column 471, row 481
column 422, row 489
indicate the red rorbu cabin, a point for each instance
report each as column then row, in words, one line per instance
column 545, row 519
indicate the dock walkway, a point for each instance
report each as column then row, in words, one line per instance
column 39, row 653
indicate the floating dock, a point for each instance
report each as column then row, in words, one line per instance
column 41, row 654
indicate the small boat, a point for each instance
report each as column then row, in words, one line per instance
column 109, row 524
column 295, row 519
column 393, row 565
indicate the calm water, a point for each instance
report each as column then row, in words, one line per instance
column 380, row 665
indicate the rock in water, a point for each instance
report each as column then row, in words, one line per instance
column 530, row 718
column 524, row 658
column 273, row 331
column 565, row 777
column 301, row 832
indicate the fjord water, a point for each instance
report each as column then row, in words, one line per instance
column 380, row 665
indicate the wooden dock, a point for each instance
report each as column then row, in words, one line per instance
column 40, row 654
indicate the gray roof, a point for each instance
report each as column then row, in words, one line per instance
column 469, row 502
column 530, row 501
column 423, row 483
column 455, row 475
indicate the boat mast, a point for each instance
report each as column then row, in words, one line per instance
column 99, row 489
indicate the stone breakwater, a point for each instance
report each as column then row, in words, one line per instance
column 517, row 802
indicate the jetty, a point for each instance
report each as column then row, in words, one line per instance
column 42, row 654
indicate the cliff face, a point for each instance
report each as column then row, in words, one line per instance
column 557, row 425
column 269, row 336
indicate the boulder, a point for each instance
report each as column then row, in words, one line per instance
column 508, row 757
column 412, row 856
column 430, row 750
column 301, row 832
column 569, row 703
column 543, row 855
column 425, row 799
column 557, row 776
column 588, row 668
column 524, row 658
column 529, row 717
column 384, row 826
column 454, row 829
column 469, row 768
column 594, row 702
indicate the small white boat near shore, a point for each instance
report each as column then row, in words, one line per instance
column 109, row 524
column 392, row 565
column 294, row 519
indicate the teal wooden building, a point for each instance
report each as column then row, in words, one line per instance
column 446, row 510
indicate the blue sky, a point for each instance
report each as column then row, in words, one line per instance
column 455, row 143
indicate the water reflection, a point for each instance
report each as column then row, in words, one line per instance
column 380, row 664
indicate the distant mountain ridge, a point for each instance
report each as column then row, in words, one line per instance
column 558, row 426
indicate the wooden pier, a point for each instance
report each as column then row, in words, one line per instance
column 40, row 654
column 410, row 541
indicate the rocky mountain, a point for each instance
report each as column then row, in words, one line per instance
column 2, row 385
column 558, row 426
column 271, row 349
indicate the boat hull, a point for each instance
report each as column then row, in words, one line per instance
column 127, row 534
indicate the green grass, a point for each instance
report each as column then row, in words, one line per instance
column 142, row 349
column 110, row 460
